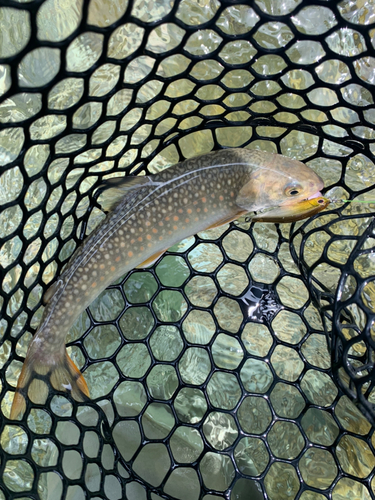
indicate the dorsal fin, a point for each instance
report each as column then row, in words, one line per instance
column 50, row 292
column 113, row 190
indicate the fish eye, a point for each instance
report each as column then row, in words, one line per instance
column 321, row 200
column 293, row 190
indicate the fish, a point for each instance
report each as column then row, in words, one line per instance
column 146, row 216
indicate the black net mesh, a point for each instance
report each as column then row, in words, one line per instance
column 209, row 372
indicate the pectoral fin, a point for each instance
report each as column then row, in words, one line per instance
column 226, row 220
column 148, row 262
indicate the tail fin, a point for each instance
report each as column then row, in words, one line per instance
column 37, row 377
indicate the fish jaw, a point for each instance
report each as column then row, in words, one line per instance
column 293, row 212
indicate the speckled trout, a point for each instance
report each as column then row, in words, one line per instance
column 148, row 215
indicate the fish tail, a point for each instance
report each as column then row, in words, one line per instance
column 38, row 376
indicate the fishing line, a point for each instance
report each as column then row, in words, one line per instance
column 356, row 201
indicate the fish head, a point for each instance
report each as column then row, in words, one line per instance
column 279, row 183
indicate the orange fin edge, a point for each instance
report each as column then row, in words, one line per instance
column 81, row 382
column 18, row 406
column 148, row 262
column 63, row 376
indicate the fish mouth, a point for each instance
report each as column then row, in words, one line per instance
column 315, row 195
column 292, row 212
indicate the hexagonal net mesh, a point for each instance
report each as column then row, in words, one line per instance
column 241, row 364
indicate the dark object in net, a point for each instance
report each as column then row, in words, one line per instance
column 167, row 118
